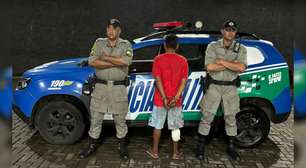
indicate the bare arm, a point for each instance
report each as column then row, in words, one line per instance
column 215, row 67
column 117, row 61
column 179, row 92
column 123, row 60
column 99, row 64
column 181, row 88
column 232, row 65
column 160, row 88
column 210, row 60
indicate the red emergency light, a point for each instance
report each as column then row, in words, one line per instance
column 168, row 25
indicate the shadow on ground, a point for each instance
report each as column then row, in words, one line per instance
column 140, row 139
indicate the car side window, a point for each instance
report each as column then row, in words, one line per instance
column 146, row 53
column 190, row 51
column 194, row 53
column 254, row 55
column 143, row 59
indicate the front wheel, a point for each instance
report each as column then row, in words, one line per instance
column 60, row 122
column 253, row 127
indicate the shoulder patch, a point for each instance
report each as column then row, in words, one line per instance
column 129, row 52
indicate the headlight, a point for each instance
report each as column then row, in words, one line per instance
column 23, row 83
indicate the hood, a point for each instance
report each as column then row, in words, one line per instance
column 60, row 66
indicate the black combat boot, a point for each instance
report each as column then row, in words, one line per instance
column 231, row 148
column 200, row 147
column 123, row 148
column 93, row 145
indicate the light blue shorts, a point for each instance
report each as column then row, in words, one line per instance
column 174, row 117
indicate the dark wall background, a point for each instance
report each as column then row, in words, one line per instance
column 46, row 30
column 5, row 33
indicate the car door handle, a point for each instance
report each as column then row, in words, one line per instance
column 134, row 70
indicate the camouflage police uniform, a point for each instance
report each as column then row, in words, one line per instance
column 216, row 94
column 109, row 98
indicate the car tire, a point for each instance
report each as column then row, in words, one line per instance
column 60, row 122
column 253, row 126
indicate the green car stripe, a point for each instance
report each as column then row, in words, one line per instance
column 187, row 116
column 266, row 84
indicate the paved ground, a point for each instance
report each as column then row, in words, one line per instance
column 30, row 150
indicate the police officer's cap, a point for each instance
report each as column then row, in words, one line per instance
column 230, row 23
column 114, row 22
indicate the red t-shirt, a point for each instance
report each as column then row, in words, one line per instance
column 171, row 68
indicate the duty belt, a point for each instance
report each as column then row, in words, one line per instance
column 219, row 82
column 105, row 82
column 206, row 81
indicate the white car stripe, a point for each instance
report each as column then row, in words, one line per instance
column 272, row 65
column 266, row 69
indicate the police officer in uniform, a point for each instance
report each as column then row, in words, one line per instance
column 224, row 60
column 111, row 58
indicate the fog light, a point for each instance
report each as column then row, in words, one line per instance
column 86, row 89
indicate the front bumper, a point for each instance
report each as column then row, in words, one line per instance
column 23, row 103
column 280, row 117
column 23, row 117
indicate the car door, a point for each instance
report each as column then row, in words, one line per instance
column 142, row 83
column 141, row 89
column 194, row 52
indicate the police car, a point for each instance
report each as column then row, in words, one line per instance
column 299, row 85
column 6, row 95
column 54, row 97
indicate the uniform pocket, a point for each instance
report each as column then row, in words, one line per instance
column 211, row 101
column 120, row 94
column 95, row 104
column 98, row 98
column 231, row 105
column 99, row 92
column 120, row 106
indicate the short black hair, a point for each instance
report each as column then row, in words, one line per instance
column 171, row 41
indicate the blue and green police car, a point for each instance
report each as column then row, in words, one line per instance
column 54, row 97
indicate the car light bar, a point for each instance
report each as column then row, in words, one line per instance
column 168, row 25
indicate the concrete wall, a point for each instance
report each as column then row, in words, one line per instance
column 46, row 30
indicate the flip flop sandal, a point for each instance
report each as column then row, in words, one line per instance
column 177, row 156
column 153, row 155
